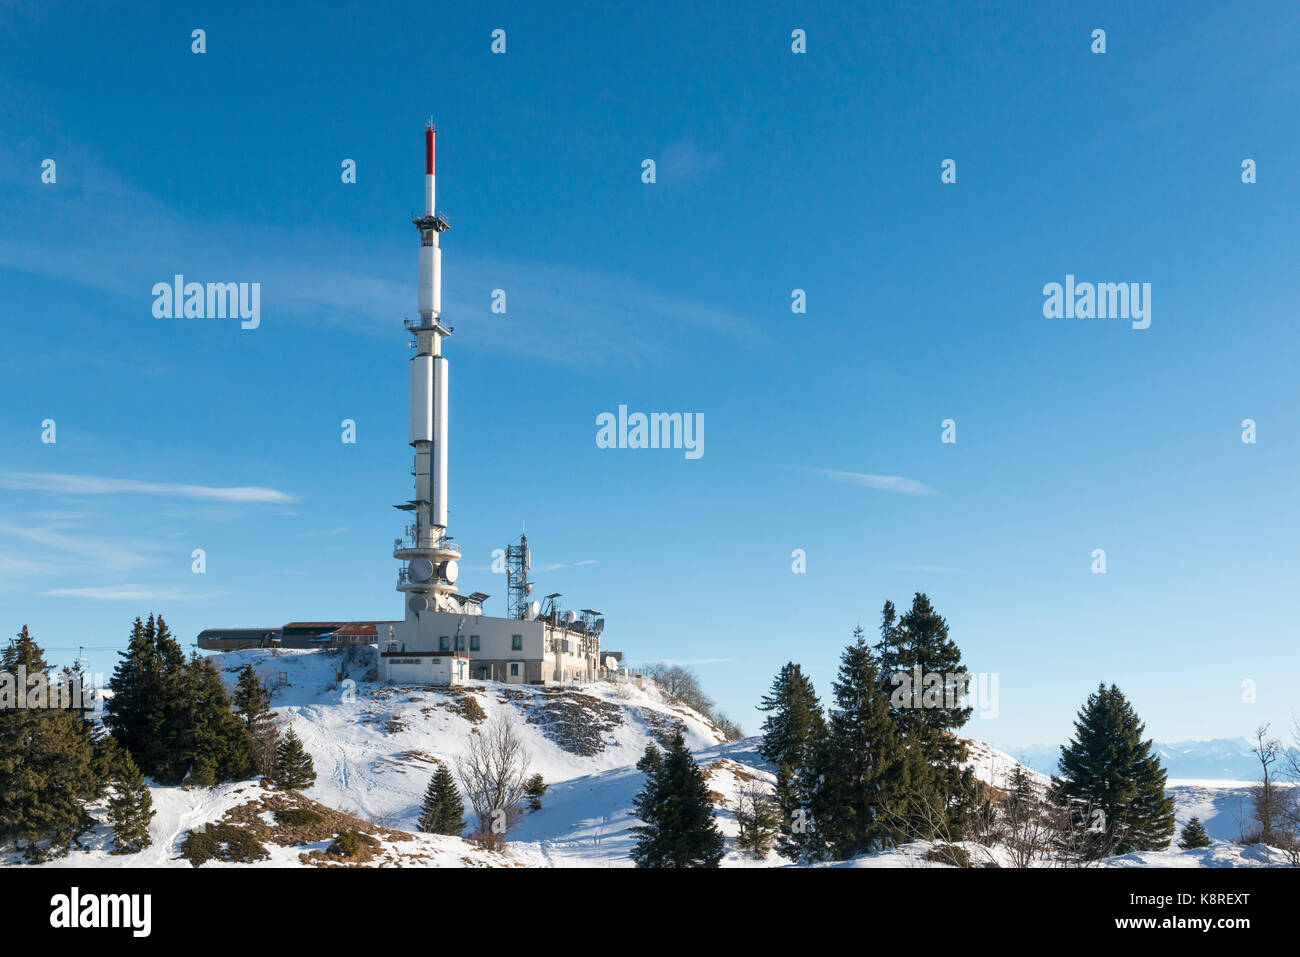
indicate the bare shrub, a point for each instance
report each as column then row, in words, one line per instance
column 494, row 775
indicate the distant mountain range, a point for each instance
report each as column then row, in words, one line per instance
column 1222, row 759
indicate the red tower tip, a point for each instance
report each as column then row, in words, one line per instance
column 428, row 148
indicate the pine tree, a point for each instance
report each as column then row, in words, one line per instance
column 758, row 818
column 647, row 804
column 293, row 765
column 130, row 808
column 916, row 647
column 860, row 783
column 678, row 829
column 1109, row 768
column 442, row 812
column 25, row 652
column 1193, row 835
column 651, row 760
column 48, row 770
column 792, row 713
column 213, row 742
column 252, row 701
column 535, row 789
column 147, row 710
column 1020, row 788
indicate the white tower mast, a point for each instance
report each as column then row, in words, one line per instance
column 429, row 579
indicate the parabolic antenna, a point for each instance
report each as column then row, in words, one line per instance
column 421, row 569
column 450, row 569
column 417, row 603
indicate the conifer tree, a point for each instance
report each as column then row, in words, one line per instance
column 916, row 646
column 647, row 804
column 860, row 781
column 1193, row 835
column 678, row 829
column 25, row 652
column 793, row 712
column 213, row 742
column 252, row 701
column 758, row 818
column 130, row 808
column 147, row 710
column 48, row 770
column 293, row 765
column 442, row 811
column 793, row 732
column 535, row 789
column 1109, row 768
column 650, row 761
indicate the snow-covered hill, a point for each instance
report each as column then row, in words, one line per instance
column 375, row 747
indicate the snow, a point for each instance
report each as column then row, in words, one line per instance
column 375, row 747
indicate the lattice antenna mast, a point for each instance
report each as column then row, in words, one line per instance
column 518, row 588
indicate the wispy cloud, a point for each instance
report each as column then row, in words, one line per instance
column 570, row 315
column 126, row 593
column 20, row 566
column 683, row 160
column 79, row 548
column 556, row 566
column 95, row 485
column 885, row 483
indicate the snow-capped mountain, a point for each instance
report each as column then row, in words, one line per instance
column 1221, row 759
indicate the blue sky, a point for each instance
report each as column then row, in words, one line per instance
column 775, row 171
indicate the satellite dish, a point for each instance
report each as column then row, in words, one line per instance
column 570, row 616
column 533, row 608
column 420, row 569
column 417, row 603
column 450, row 569
column 599, row 625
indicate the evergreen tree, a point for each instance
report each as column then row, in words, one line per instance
column 147, row 710
column 25, row 652
column 293, row 765
column 442, row 811
column 916, row 647
column 651, row 760
column 793, row 711
column 647, row 804
column 1020, row 790
column 252, row 702
column 758, row 818
column 678, row 829
column 1193, row 835
column 1109, row 768
column 213, row 742
column 535, row 789
column 860, row 778
column 130, row 808
column 48, row 770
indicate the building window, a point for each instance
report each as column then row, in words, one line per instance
column 514, row 667
column 444, row 643
column 473, row 642
column 516, row 642
column 460, row 642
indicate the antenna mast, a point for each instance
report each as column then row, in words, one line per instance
column 518, row 587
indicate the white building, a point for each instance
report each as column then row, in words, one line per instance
column 450, row 648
